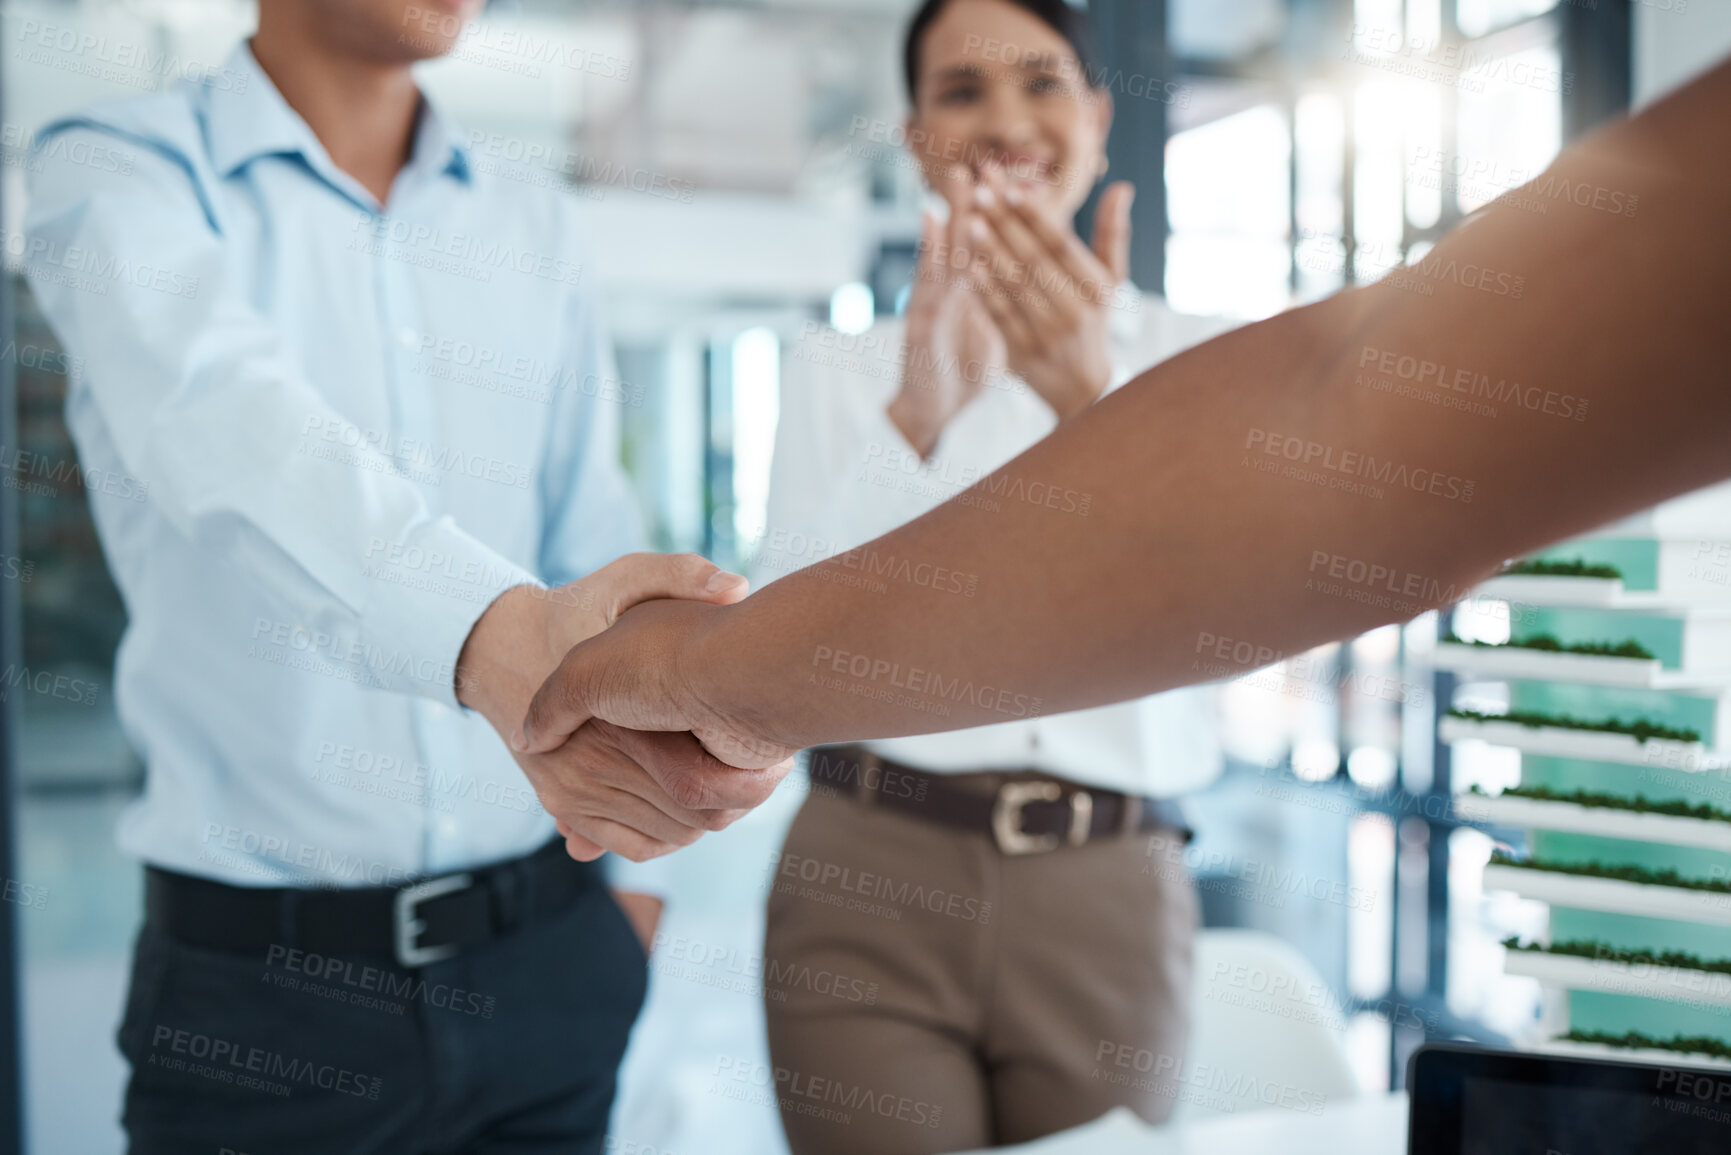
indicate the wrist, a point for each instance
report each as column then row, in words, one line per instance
column 509, row 651
column 1068, row 406
column 725, row 669
column 693, row 665
column 710, row 664
column 1071, row 402
column 918, row 420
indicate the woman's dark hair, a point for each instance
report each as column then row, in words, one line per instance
column 1070, row 23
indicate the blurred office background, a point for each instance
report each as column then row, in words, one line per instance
column 737, row 162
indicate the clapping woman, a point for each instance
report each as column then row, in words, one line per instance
column 961, row 924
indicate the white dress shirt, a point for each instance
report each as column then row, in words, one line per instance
column 844, row 474
column 335, row 431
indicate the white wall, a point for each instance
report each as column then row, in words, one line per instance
column 1675, row 40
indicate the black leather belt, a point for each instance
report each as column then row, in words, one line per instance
column 416, row 924
column 1025, row 814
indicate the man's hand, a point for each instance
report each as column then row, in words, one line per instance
column 632, row 676
column 597, row 788
column 595, row 785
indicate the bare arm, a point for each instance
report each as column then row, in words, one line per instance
column 1113, row 558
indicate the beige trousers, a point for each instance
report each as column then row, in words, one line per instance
column 926, row 993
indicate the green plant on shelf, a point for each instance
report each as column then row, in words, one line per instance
column 1639, row 804
column 1575, row 567
column 1641, row 730
column 1590, row 949
column 1664, row 876
column 1550, row 645
column 1635, row 1040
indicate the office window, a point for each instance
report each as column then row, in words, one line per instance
column 1229, row 202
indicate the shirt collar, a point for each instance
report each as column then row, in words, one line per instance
column 250, row 119
column 439, row 147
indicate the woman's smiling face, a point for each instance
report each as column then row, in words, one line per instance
column 998, row 84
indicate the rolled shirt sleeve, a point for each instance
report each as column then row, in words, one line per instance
column 843, row 472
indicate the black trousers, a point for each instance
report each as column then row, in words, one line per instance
column 511, row 1047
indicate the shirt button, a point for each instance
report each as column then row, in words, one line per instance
column 407, row 337
column 447, row 826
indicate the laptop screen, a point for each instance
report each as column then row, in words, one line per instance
column 1470, row 1101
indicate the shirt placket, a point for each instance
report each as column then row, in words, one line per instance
column 407, row 272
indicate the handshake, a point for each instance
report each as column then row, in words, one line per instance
column 598, row 711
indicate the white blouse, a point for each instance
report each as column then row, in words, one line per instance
column 844, row 474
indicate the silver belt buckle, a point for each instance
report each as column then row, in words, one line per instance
column 1007, row 817
column 409, row 925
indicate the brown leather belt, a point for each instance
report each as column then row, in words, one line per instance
column 1025, row 814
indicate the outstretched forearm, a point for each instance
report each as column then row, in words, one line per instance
column 1333, row 469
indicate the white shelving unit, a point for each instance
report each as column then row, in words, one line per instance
column 1565, row 592
column 1571, row 972
column 1497, row 662
column 1590, row 745
column 1612, row 895
column 1678, row 557
column 1603, row 821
